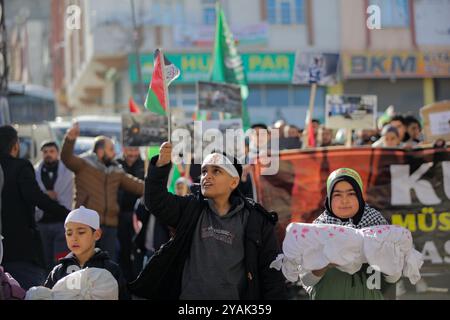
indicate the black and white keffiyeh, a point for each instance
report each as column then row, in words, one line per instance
column 371, row 217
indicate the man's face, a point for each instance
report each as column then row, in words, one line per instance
column 107, row 154
column 216, row 182
column 400, row 127
column 414, row 130
column 50, row 155
column 16, row 149
column 293, row 133
column 326, row 137
column 131, row 154
column 315, row 126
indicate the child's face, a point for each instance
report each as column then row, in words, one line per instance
column 80, row 238
column 344, row 201
column 391, row 140
column 216, row 182
column 181, row 189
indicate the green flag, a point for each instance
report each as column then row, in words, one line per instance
column 227, row 63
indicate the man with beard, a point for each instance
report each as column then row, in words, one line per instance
column 56, row 181
column 98, row 178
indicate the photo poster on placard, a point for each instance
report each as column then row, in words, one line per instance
column 436, row 121
column 320, row 68
column 351, row 111
column 213, row 135
column 219, row 97
column 144, row 130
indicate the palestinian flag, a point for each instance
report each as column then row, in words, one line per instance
column 134, row 108
column 164, row 72
column 311, row 141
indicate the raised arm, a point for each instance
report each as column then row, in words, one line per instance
column 161, row 203
column 71, row 161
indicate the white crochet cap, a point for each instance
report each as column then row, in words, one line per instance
column 85, row 216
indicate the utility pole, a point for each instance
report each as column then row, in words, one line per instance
column 4, row 108
column 3, row 54
column 137, row 54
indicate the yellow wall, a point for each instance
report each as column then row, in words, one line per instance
column 428, row 91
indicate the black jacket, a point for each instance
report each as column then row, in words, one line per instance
column 127, row 200
column 20, row 195
column 99, row 260
column 161, row 233
column 161, row 277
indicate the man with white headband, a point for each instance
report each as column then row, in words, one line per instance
column 223, row 244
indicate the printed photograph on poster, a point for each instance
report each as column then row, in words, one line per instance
column 436, row 121
column 351, row 111
column 144, row 130
column 219, row 97
column 206, row 132
column 320, row 68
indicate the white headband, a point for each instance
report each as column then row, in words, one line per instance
column 219, row 160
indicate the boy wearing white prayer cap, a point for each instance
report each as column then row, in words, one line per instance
column 82, row 227
column 223, row 244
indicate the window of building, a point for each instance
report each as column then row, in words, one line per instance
column 188, row 95
column 394, row 13
column 209, row 12
column 167, row 12
column 277, row 95
column 285, row 11
column 255, row 96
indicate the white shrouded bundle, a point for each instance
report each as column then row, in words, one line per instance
column 84, row 284
column 391, row 249
column 308, row 247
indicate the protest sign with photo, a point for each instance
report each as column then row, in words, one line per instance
column 219, row 97
column 143, row 130
column 351, row 111
column 436, row 121
column 320, row 68
column 401, row 184
column 212, row 134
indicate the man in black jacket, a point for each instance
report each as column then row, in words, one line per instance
column 223, row 243
column 131, row 163
column 23, row 253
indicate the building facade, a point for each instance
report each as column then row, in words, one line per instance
column 405, row 63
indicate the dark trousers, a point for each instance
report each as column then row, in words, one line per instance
column 53, row 242
column 125, row 234
column 108, row 242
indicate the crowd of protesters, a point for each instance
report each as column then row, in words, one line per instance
column 398, row 131
column 154, row 240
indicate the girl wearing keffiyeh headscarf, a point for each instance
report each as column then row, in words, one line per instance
column 345, row 206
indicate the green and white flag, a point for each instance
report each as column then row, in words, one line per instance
column 227, row 63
